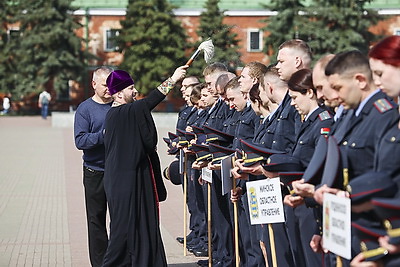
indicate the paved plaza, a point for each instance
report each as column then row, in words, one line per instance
column 42, row 212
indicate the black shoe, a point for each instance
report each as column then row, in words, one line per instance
column 188, row 239
column 190, row 248
column 202, row 263
column 180, row 239
column 193, row 245
column 200, row 252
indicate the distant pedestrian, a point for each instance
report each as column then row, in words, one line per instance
column 6, row 104
column 43, row 103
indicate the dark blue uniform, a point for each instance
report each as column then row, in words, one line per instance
column 280, row 134
column 309, row 134
column 250, row 251
column 231, row 122
column 198, row 118
column 361, row 138
column 221, row 223
column 183, row 117
column 387, row 155
column 306, row 141
column 216, row 116
column 260, row 131
column 247, row 122
column 365, row 130
column 195, row 201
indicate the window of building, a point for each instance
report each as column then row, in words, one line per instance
column 110, row 43
column 396, row 31
column 254, row 40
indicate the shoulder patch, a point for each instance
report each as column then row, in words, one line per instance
column 324, row 115
column 383, row 105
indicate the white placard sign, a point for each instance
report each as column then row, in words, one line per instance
column 337, row 225
column 265, row 201
column 206, row 174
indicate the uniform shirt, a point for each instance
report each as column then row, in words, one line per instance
column 216, row 116
column 309, row 134
column 231, row 122
column 183, row 116
column 284, row 124
column 260, row 131
column 361, row 137
column 193, row 117
column 247, row 122
column 387, row 156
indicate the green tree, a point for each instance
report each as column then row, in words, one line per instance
column 334, row 26
column 153, row 42
column 225, row 41
column 328, row 26
column 8, row 45
column 283, row 26
column 49, row 52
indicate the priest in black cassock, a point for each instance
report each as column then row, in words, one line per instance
column 132, row 175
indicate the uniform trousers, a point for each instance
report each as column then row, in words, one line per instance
column 221, row 224
column 96, row 209
column 306, row 228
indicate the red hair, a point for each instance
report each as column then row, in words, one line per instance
column 387, row 50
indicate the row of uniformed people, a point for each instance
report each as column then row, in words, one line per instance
column 240, row 120
column 369, row 114
column 301, row 148
column 286, row 105
column 214, row 116
column 283, row 115
column 368, row 118
column 356, row 125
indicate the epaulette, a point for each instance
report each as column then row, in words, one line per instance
column 383, row 105
column 324, row 115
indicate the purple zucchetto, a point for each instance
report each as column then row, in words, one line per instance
column 118, row 80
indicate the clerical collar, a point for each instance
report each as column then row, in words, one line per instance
column 116, row 104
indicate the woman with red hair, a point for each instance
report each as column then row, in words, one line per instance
column 385, row 65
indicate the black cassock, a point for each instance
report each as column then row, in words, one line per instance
column 133, row 185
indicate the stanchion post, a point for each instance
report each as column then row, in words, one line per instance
column 209, row 224
column 272, row 244
column 184, row 205
column 235, row 220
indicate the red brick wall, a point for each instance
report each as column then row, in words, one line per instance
column 98, row 25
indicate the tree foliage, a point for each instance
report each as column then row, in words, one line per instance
column 225, row 41
column 283, row 26
column 8, row 46
column 328, row 26
column 339, row 25
column 47, row 53
column 153, row 42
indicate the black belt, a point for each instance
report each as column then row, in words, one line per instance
column 92, row 170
